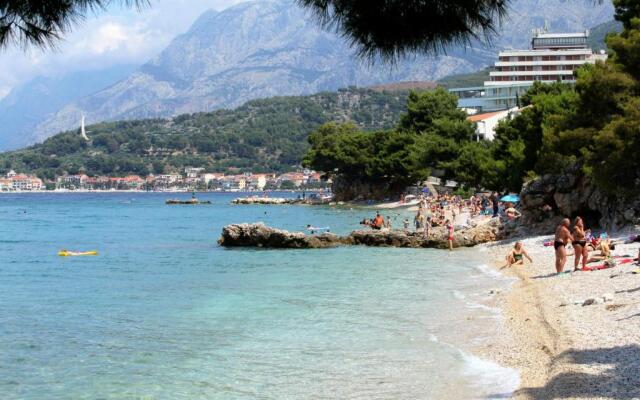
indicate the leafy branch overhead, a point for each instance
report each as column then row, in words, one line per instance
column 43, row 22
column 393, row 28
column 387, row 28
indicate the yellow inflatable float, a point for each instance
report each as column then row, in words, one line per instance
column 67, row 253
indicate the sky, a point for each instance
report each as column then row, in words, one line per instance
column 118, row 35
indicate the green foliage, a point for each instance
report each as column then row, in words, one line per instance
column 44, row 22
column 472, row 79
column 613, row 161
column 626, row 48
column 432, row 134
column 391, row 28
column 598, row 34
column 425, row 108
column 261, row 136
column 594, row 127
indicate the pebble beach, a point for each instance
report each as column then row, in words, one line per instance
column 572, row 336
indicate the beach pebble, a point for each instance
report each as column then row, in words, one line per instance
column 589, row 302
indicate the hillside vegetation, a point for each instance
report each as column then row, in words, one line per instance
column 262, row 135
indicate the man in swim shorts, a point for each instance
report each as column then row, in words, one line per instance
column 560, row 242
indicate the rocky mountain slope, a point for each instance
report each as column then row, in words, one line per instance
column 272, row 47
column 28, row 105
column 262, row 135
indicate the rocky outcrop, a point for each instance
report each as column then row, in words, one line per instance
column 264, row 200
column 260, row 235
column 550, row 198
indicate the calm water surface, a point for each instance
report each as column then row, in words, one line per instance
column 164, row 313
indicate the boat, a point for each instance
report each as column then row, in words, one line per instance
column 187, row 202
column 408, row 202
column 68, row 253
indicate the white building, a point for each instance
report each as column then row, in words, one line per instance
column 25, row 183
column 193, row 173
column 553, row 57
column 256, row 181
column 486, row 123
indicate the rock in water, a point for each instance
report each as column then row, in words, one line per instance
column 260, row 235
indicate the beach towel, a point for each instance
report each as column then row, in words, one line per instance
column 607, row 265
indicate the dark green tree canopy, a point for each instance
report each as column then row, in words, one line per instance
column 387, row 28
column 43, row 22
column 392, row 28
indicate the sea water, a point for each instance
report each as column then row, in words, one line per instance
column 163, row 312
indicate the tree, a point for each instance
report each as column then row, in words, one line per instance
column 614, row 159
column 425, row 108
column 43, row 22
column 386, row 28
column 392, row 28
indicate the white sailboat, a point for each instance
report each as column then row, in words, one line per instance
column 83, row 132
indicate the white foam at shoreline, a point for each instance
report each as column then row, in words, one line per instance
column 487, row 270
column 496, row 381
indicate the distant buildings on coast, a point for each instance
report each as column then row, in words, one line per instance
column 14, row 182
column 191, row 179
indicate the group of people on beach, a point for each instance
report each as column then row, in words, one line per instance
column 583, row 243
column 581, row 239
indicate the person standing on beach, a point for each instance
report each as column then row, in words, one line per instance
column 494, row 202
column 449, row 226
column 579, row 244
column 560, row 242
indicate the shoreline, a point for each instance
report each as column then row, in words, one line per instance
column 560, row 347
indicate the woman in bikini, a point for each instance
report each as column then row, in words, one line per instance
column 516, row 256
column 579, row 244
column 562, row 238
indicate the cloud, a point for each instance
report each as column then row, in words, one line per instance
column 117, row 36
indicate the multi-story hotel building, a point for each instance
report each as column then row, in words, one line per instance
column 552, row 57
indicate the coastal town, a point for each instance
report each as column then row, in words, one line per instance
column 192, row 179
column 223, row 201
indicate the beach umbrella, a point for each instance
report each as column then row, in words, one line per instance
column 510, row 198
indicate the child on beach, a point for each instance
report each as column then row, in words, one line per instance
column 449, row 226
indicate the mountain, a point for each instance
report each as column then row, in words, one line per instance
column 271, row 47
column 262, row 135
column 28, row 105
column 599, row 33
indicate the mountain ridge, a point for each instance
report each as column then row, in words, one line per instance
column 271, row 48
column 261, row 135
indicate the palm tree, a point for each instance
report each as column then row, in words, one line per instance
column 43, row 22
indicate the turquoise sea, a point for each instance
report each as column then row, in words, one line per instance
column 164, row 313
